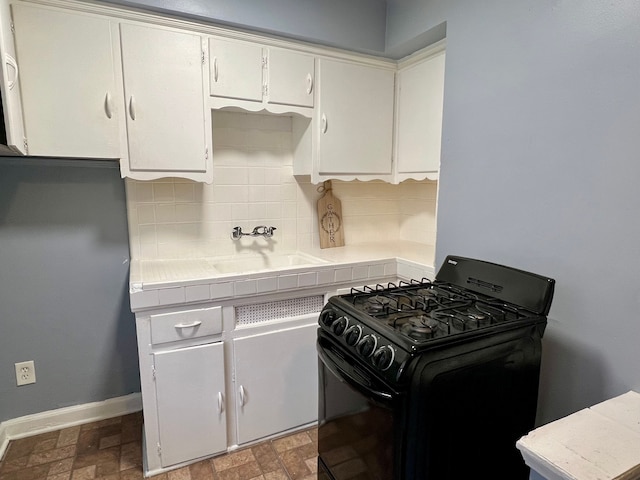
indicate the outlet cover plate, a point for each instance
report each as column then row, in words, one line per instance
column 25, row 373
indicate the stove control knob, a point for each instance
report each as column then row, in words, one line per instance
column 367, row 345
column 352, row 335
column 340, row 325
column 327, row 317
column 383, row 358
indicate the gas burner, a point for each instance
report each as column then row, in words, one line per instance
column 418, row 326
column 464, row 317
column 377, row 304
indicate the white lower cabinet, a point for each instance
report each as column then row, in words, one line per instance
column 208, row 385
column 182, row 375
column 276, row 381
column 190, row 402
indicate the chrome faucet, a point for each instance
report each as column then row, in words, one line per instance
column 259, row 231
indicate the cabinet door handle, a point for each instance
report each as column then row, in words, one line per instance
column 243, row 396
column 12, row 63
column 220, row 403
column 215, row 69
column 188, row 325
column 132, row 108
column 108, row 105
column 324, row 123
column 309, row 84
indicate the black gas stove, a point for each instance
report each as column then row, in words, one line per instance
column 390, row 354
column 385, row 325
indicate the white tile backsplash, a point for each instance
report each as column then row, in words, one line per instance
column 254, row 185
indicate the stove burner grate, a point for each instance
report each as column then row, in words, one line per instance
column 422, row 310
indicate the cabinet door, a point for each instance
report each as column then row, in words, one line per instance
column 235, row 69
column 10, row 86
column 419, row 124
column 291, row 78
column 356, row 118
column 189, row 390
column 68, row 84
column 276, row 381
column 164, row 94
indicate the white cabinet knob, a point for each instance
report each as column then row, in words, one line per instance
column 309, row 84
column 108, row 105
column 243, row 396
column 10, row 61
column 220, row 403
column 132, row 108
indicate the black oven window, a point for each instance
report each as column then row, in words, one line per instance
column 355, row 434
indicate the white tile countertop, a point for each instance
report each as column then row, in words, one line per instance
column 598, row 443
column 156, row 283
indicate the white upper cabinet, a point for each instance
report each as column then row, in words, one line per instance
column 354, row 121
column 291, row 78
column 163, row 73
column 419, row 118
column 88, row 81
column 255, row 77
column 95, row 88
column 235, row 69
column 9, row 84
column 69, row 91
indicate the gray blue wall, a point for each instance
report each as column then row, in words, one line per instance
column 354, row 24
column 64, row 285
column 540, row 169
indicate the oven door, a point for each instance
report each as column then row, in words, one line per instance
column 358, row 434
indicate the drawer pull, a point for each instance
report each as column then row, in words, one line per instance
column 220, row 403
column 11, row 62
column 132, row 108
column 309, row 84
column 108, row 105
column 243, row 397
column 188, row 325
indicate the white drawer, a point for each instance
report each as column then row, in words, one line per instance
column 171, row 327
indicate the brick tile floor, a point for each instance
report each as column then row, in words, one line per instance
column 112, row 450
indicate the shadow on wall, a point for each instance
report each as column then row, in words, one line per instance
column 52, row 192
column 562, row 356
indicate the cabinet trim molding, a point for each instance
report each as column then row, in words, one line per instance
column 211, row 28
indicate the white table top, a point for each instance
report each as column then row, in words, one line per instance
column 598, row 443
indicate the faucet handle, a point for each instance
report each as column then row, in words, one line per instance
column 236, row 233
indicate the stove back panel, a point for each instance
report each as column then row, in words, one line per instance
column 528, row 290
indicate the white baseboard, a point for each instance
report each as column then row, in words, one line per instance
column 66, row 417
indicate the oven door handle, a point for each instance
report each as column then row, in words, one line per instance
column 349, row 375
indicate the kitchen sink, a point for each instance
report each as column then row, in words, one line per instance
column 254, row 263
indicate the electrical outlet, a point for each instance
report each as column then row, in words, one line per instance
column 25, row 373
